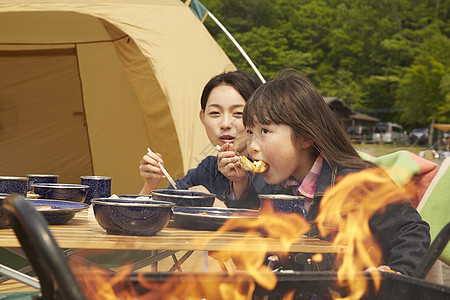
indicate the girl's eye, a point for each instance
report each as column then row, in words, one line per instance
column 214, row 113
column 249, row 132
column 264, row 131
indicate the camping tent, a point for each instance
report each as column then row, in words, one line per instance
column 87, row 86
column 442, row 126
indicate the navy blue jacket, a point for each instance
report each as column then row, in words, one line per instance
column 206, row 174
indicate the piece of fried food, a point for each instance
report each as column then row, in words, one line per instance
column 255, row 167
column 43, row 207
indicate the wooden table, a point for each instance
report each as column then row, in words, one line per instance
column 83, row 232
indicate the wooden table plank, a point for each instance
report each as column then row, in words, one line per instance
column 85, row 233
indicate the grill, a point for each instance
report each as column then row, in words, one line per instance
column 58, row 282
column 303, row 285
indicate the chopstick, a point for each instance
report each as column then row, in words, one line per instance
column 172, row 182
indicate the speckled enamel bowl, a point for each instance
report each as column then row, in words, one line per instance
column 130, row 216
column 4, row 221
column 184, row 197
column 13, row 185
column 61, row 191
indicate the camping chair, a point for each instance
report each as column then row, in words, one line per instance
column 434, row 208
column 406, row 168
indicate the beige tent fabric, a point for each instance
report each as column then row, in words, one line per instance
column 29, row 113
column 134, row 80
column 442, row 126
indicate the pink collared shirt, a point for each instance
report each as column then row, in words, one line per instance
column 309, row 183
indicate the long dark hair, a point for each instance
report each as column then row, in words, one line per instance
column 291, row 99
column 244, row 83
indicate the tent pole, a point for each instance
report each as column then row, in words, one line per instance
column 238, row 46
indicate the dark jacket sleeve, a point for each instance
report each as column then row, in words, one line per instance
column 250, row 198
column 204, row 174
column 207, row 175
column 403, row 236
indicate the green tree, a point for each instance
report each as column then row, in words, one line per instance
column 424, row 88
column 366, row 52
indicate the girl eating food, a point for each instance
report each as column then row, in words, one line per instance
column 292, row 130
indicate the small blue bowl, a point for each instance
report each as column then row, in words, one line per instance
column 4, row 221
column 284, row 204
column 129, row 216
column 184, row 197
column 135, row 196
column 61, row 191
column 41, row 178
column 13, row 185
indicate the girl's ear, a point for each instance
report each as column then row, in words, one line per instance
column 306, row 143
column 201, row 115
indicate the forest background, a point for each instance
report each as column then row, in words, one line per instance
column 386, row 58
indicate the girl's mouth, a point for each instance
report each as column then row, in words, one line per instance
column 227, row 139
column 266, row 171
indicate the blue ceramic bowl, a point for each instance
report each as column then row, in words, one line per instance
column 130, row 216
column 210, row 218
column 144, row 197
column 61, row 191
column 284, row 204
column 184, row 197
column 4, row 221
column 41, row 178
column 58, row 212
column 13, row 185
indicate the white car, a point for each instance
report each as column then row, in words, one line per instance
column 390, row 133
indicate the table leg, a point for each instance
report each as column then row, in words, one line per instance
column 21, row 277
column 175, row 260
column 150, row 260
column 73, row 256
column 222, row 264
column 205, row 261
column 181, row 261
column 154, row 266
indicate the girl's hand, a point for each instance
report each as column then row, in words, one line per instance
column 150, row 171
column 381, row 268
column 228, row 165
column 201, row 188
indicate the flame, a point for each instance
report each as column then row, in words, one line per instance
column 238, row 283
column 345, row 211
column 285, row 227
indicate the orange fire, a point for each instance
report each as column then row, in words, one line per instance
column 345, row 212
column 287, row 228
